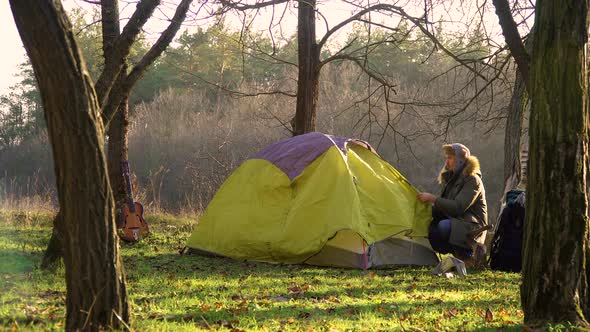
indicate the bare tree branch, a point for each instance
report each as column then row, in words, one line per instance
column 240, row 93
column 515, row 43
column 474, row 97
column 367, row 71
column 122, row 47
column 345, row 22
column 416, row 21
column 239, row 6
column 154, row 52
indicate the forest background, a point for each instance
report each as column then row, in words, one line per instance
column 207, row 105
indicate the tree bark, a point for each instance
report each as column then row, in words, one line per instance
column 555, row 287
column 96, row 292
column 309, row 69
column 122, row 87
column 512, row 37
column 516, row 133
column 54, row 249
column 119, row 49
column 513, row 133
column 117, row 128
column 117, row 151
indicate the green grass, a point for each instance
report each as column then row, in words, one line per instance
column 169, row 292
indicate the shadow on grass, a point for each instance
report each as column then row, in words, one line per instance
column 192, row 266
column 399, row 313
column 421, row 291
column 343, row 293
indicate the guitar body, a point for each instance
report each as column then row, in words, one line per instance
column 134, row 226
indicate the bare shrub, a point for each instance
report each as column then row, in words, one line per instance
column 183, row 146
column 182, row 151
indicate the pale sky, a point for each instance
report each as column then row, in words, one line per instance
column 13, row 53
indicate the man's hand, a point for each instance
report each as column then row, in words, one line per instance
column 426, row 198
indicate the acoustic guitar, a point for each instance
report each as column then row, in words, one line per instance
column 134, row 226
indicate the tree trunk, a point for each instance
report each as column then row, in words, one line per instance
column 556, row 232
column 513, row 135
column 54, row 249
column 309, row 71
column 516, row 133
column 110, row 33
column 95, row 281
column 512, row 38
column 117, row 151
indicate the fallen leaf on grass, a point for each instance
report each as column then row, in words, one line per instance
column 403, row 318
column 381, row 310
column 333, row 299
column 451, row 313
column 296, row 289
column 504, row 313
column 239, row 310
column 29, row 309
column 489, row 316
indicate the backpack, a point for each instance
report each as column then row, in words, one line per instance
column 506, row 248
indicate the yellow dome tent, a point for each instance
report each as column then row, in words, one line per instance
column 320, row 200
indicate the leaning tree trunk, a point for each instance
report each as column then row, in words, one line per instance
column 556, row 232
column 513, row 134
column 309, row 71
column 516, row 133
column 117, row 152
column 96, row 293
column 117, row 126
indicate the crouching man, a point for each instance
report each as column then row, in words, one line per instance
column 459, row 213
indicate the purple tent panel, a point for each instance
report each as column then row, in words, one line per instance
column 294, row 154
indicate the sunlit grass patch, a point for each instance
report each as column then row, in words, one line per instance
column 169, row 292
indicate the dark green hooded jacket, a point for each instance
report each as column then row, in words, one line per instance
column 463, row 200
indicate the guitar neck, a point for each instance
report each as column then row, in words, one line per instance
column 127, row 176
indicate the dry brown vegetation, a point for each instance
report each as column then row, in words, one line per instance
column 183, row 144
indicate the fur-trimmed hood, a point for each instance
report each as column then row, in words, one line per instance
column 471, row 168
